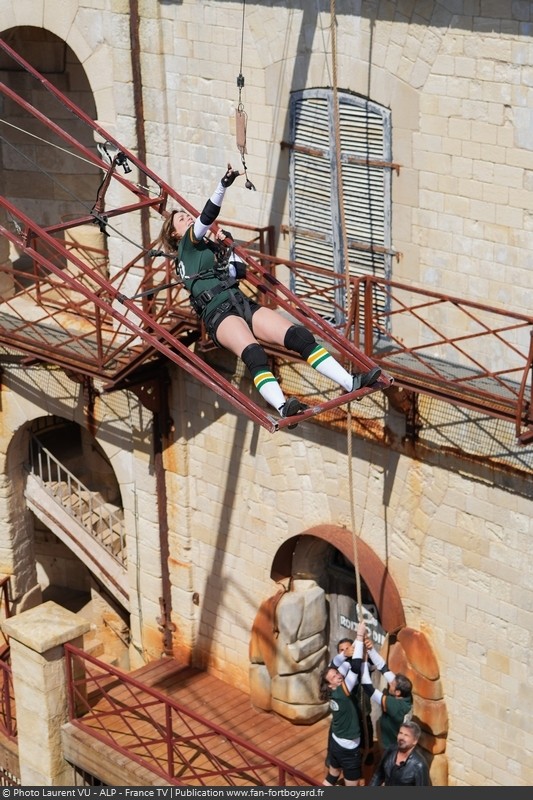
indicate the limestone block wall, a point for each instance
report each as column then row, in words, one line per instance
column 457, row 78
column 455, row 548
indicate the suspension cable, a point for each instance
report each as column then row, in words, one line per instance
column 99, row 218
column 241, row 117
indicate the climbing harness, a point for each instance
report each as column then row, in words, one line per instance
column 241, row 117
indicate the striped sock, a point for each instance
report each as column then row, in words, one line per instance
column 269, row 388
column 326, row 365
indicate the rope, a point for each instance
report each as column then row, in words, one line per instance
column 347, row 299
column 367, row 744
column 241, row 117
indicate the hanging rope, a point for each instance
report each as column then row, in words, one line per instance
column 362, row 698
column 241, row 117
column 347, row 297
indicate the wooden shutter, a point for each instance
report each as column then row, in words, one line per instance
column 316, row 235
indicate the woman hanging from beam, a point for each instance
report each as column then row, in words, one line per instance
column 236, row 322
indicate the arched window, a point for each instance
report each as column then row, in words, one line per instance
column 315, row 193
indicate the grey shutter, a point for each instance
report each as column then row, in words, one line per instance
column 315, row 193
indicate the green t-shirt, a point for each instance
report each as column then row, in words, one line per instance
column 344, row 722
column 392, row 717
column 195, row 259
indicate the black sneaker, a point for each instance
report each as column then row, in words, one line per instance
column 291, row 408
column 365, row 378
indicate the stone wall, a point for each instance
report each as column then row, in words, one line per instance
column 122, row 428
column 455, row 548
column 457, row 78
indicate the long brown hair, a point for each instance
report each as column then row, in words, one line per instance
column 168, row 239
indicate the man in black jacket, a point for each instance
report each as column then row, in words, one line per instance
column 403, row 764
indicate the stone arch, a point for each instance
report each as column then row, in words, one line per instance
column 376, row 574
column 286, row 636
column 56, row 59
column 89, row 50
column 44, row 563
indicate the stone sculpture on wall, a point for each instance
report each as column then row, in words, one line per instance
column 288, row 649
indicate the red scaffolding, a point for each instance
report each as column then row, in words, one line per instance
column 74, row 309
column 86, row 319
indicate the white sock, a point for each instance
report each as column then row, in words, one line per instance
column 269, row 388
column 328, row 366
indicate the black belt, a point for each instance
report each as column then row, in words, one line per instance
column 207, row 295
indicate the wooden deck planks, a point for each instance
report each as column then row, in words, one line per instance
column 299, row 746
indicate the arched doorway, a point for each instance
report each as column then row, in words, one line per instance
column 67, row 542
column 307, row 554
column 296, row 630
column 47, row 180
column 29, row 163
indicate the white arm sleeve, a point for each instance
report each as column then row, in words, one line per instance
column 339, row 660
column 358, row 649
column 377, row 660
column 350, row 678
column 200, row 228
column 344, row 667
column 218, row 195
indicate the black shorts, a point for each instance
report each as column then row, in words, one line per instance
column 241, row 306
column 349, row 761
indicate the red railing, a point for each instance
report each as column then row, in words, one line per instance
column 162, row 735
column 123, row 323
column 458, row 350
column 8, row 722
column 461, row 351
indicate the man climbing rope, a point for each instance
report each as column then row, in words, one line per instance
column 236, row 322
column 344, row 741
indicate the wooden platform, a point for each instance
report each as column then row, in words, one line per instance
column 300, row 746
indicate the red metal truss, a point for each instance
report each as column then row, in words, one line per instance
column 70, row 311
column 74, row 311
column 460, row 351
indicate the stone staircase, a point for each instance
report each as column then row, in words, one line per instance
column 90, row 527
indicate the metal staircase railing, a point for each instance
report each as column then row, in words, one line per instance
column 103, row 523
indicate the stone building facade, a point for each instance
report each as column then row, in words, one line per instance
column 452, row 533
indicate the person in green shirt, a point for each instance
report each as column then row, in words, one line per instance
column 396, row 702
column 233, row 320
column 344, row 740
